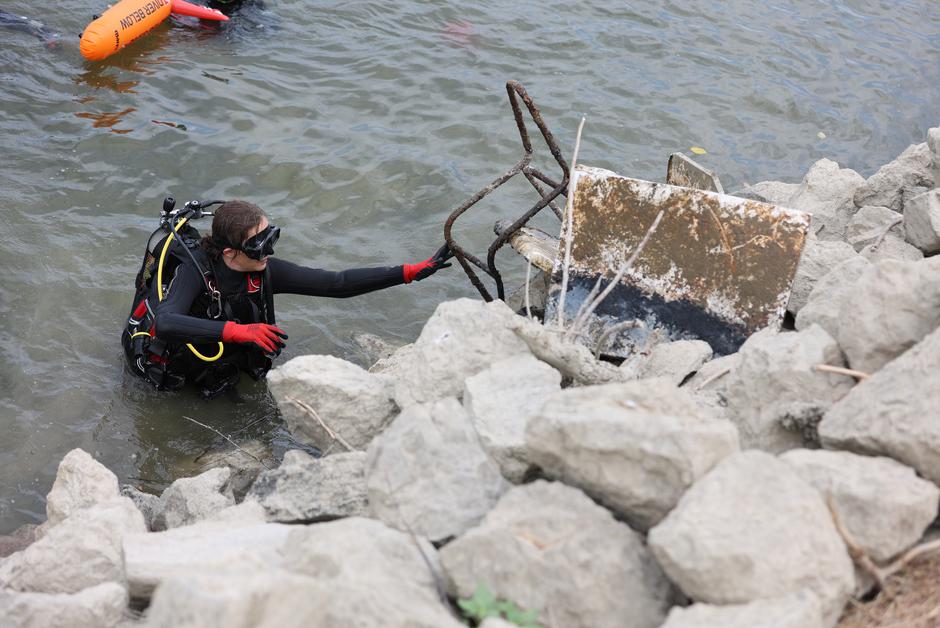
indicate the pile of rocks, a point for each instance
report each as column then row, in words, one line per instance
column 676, row 490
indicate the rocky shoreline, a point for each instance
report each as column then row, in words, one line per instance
column 494, row 461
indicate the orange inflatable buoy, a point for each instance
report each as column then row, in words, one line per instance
column 120, row 25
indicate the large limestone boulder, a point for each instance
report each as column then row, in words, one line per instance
column 895, row 305
column 752, row 529
column 817, row 259
column 892, row 247
column 82, row 551
column 353, row 572
column 461, row 338
column 428, row 473
column 500, row 400
column 893, row 413
column 188, row 500
column 400, row 570
column 827, row 193
column 539, row 547
column 280, row 599
column 797, row 610
column 201, row 548
column 831, row 292
column 776, row 192
column 870, row 224
column 884, row 506
column 898, row 181
column 100, row 606
column 922, row 221
column 305, row 488
column 635, row 447
column 776, row 396
column 80, row 482
column 343, row 398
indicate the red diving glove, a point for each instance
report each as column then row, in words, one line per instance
column 267, row 337
column 429, row 266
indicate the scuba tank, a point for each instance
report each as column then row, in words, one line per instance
column 149, row 356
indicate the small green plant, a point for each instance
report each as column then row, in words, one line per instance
column 484, row 604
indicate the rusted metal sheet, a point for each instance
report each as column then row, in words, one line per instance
column 684, row 172
column 717, row 267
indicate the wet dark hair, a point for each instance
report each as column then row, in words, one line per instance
column 230, row 226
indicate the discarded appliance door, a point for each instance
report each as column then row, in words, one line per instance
column 717, row 268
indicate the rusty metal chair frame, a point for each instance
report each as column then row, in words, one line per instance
column 534, row 176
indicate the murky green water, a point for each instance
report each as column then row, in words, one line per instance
column 359, row 126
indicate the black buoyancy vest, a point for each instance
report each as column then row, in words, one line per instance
column 169, row 365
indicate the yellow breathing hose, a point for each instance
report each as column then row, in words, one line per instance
column 166, row 247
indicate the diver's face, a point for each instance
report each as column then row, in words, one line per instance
column 237, row 260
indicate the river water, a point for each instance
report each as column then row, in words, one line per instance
column 359, row 126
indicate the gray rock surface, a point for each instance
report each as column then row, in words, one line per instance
column 540, row 546
column 893, row 413
column 400, row 571
column 827, row 192
column 354, row 403
column 776, row 396
column 245, row 463
column 280, row 599
column 776, row 192
column 100, row 606
column 895, row 305
column 500, row 400
column 572, row 359
column 150, row 506
column 674, row 360
column 870, row 223
column 81, row 551
column 797, row 610
column 305, row 488
column 884, row 506
column 352, row 572
column 922, row 221
column 428, row 472
column 898, row 180
column 892, row 247
column 203, row 548
column 635, row 447
column 818, row 258
column 752, row 529
column 18, row 540
column 372, row 349
column 933, row 145
column 188, row 500
column 80, row 482
column 833, row 290
column 713, row 376
column 461, row 338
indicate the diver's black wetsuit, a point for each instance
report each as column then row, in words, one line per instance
column 187, row 314
column 175, row 324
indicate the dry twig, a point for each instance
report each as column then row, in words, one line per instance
column 884, row 234
column 569, row 225
column 714, row 377
column 313, row 413
column 209, row 427
column 613, row 329
column 828, row 368
column 859, row 557
column 528, row 279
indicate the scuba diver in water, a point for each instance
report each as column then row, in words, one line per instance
column 204, row 311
